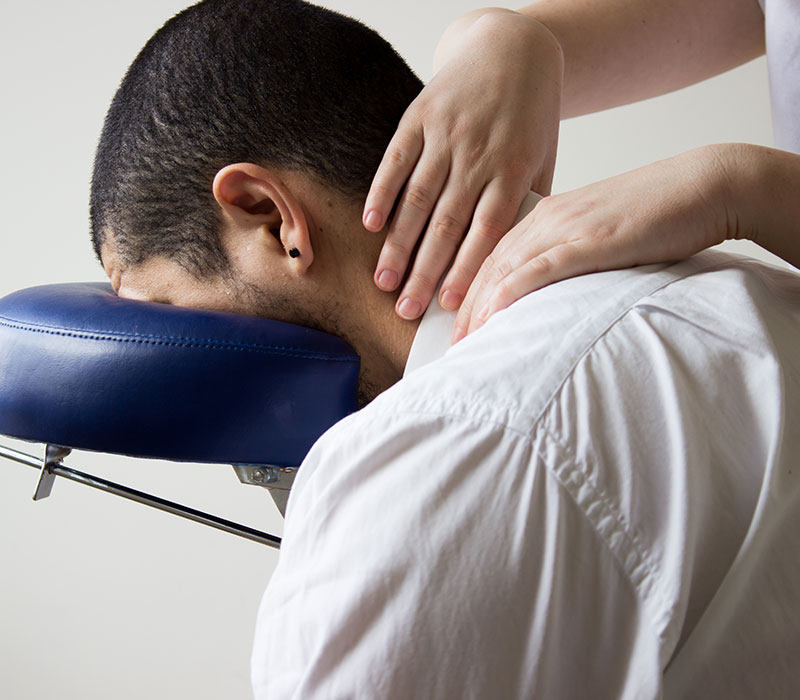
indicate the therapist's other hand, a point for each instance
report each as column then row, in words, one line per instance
column 662, row 212
column 479, row 136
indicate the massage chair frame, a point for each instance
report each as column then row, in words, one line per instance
column 70, row 354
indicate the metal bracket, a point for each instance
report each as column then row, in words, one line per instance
column 51, row 466
column 278, row 480
column 53, row 454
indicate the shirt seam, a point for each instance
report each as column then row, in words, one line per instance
column 619, row 317
column 640, row 571
column 642, row 583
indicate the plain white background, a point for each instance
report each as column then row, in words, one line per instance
column 102, row 598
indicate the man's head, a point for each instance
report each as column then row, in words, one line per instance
column 244, row 129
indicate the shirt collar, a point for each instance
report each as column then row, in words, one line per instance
column 433, row 334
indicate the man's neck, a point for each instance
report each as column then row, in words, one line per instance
column 380, row 337
column 357, row 310
column 378, row 334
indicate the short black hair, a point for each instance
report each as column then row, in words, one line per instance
column 279, row 83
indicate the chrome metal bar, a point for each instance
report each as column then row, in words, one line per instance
column 21, row 457
column 145, row 498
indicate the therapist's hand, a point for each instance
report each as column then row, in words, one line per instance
column 479, row 137
column 659, row 213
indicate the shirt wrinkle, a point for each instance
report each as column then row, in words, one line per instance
column 607, row 521
column 586, row 427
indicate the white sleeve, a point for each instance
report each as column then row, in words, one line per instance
column 430, row 556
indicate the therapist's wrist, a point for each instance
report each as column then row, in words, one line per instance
column 762, row 201
column 733, row 190
column 703, row 177
column 730, row 173
column 738, row 186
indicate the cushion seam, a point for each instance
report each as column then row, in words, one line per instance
column 175, row 342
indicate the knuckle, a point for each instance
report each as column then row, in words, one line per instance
column 561, row 254
column 490, row 227
column 420, row 280
column 504, row 269
column 383, row 191
column 503, row 292
column 448, row 229
column 396, row 249
column 397, row 157
column 544, row 263
column 495, row 268
column 555, row 263
column 603, row 233
column 487, row 267
column 418, row 197
column 460, row 276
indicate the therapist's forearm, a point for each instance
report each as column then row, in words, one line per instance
column 763, row 197
column 621, row 51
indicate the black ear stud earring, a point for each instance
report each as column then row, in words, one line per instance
column 294, row 253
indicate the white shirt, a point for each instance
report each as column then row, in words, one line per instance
column 596, row 495
column 782, row 27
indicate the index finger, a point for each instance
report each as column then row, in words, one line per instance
column 461, row 327
column 497, row 265
column 396, row 166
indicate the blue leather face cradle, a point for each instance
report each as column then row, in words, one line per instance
column 82, row 368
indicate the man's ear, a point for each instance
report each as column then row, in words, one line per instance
column 257, row 202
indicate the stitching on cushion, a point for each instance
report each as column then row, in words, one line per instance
column 178, row 342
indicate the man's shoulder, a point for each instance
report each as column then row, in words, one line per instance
column 509, row 372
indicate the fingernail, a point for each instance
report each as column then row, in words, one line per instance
column 458, row 334
column 373, row 220
column 450, row 300
column 484, row 313
column 409, row 309
column 387, row 280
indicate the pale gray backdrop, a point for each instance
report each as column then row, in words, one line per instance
column 105, row 599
